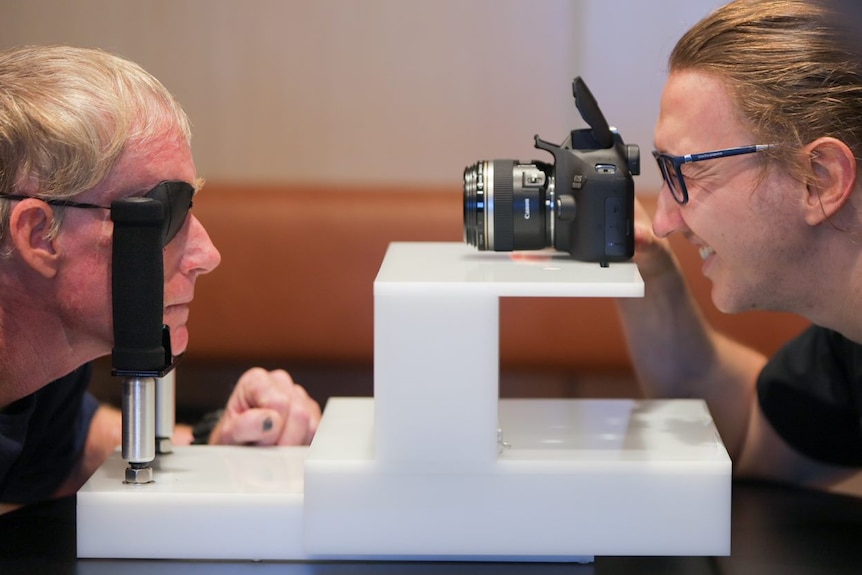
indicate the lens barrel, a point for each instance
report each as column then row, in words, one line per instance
column 488, row 204
column 475, row 233
column 505, row 206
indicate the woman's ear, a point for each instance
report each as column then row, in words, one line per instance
column 29, row 226
column 833, row 167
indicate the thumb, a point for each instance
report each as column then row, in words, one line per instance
column 257, row 426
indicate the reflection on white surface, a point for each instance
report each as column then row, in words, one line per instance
column 607, row 429
column 211, row 469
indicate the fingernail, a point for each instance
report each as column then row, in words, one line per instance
column 267, row 424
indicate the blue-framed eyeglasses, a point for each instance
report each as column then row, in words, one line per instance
column 175, row 197
column 671, row 166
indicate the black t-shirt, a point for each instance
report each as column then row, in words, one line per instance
column 811, row 393
column 42, row 436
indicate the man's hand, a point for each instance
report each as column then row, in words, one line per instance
column 267, row 408
column 653, row 255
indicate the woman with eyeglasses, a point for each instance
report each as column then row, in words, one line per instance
column 758, row 141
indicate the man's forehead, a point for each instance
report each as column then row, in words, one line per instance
column 696, row 115
column 137, row 173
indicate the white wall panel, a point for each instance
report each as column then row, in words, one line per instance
column 389, row 91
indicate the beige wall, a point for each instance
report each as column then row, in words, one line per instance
column 383, row 91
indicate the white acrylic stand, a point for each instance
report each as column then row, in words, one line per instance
column 436, row 466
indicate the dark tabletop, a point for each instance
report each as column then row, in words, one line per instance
column 775, row 529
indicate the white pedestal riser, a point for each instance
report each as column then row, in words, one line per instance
column 444, row 412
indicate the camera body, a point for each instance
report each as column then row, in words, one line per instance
column 582, row 203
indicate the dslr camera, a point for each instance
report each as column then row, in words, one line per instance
column 582, row 203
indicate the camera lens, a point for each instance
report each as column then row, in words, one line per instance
column 479, row 204
column 506, row 205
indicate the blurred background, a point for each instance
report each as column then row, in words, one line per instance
column 327, row 129
column 379, row 91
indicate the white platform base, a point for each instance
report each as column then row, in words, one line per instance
column 207, row 502
column 575, row 479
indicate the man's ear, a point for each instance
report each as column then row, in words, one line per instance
column 833, row 167
column 29, row 226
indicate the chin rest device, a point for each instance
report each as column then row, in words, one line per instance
column 142, row 347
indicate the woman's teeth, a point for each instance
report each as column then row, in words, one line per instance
column 705, row 252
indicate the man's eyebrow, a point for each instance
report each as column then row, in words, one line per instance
column 199, row 184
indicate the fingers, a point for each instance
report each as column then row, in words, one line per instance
column 250, row 427
column 302, row 419
column 268, row 408
column 653, row 255
column 258, row 387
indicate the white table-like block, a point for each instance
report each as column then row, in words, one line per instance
column 207, row 502
column 421, row 471
column 436, row 342
column 579, row 478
